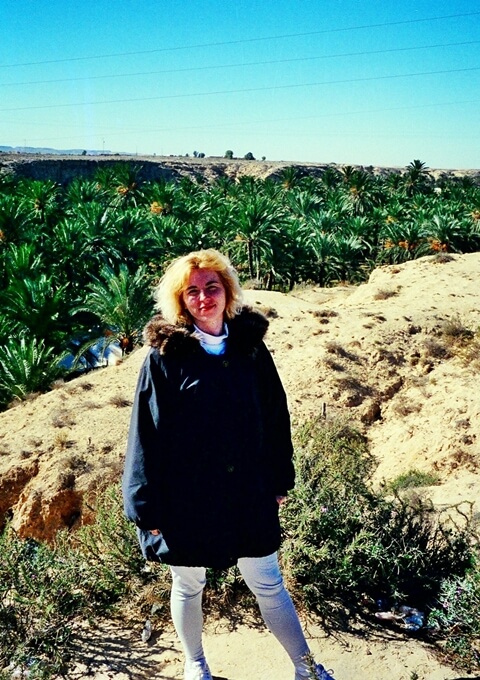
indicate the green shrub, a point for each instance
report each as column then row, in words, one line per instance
column 345, row 544
column 413, row 479
column 456, row 616
column 44, row 589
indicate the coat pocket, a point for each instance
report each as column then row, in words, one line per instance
column 154, row 548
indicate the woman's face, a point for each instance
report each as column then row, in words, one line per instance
column 205, row 299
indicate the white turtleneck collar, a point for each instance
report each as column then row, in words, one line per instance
column 213, row 344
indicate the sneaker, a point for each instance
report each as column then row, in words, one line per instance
column 322, row 674
column 317, row 672
column 197, row 670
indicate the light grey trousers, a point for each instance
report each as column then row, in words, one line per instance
column 262, row 575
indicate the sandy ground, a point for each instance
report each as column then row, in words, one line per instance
column 366, row 353
column 251, row 652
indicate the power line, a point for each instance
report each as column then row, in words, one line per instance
column 243, row 91
column 249, row 124
column 243, row 64
column 243, row 41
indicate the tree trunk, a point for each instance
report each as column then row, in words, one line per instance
column 250, row 258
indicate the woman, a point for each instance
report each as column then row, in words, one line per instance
column 209, row 457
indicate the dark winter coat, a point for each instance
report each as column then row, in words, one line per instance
column 209, row 447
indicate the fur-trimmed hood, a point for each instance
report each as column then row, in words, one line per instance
column 245, row 333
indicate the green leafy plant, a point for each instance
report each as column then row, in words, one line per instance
column 122, row 304
column 27, row 366
column 456, row 617
column 413, row 479
column 344, row 542
column 44, row 589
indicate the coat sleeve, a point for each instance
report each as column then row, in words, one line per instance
column 277, row 424
column 141, row 480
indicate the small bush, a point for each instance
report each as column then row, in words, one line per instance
column 470, row 352
column 413, row 479
column 344, row 543
column 405, row 408
column 442, row 258
column 120, row 401
column 63, row 418
column 456, row 617
column 43, row 589
column 385, row 293
column 455, row 332
column 62, row 441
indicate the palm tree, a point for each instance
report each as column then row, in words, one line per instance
column 303, row 204
column 128, row 230
column 39, row 308
column 258, row 219
column 123, row 183
column 289, row 177
column 80, row 191
column 121, row 304
column 324, row 265
column 402, row 241
column 360, row 193
column 216, row 223
column 292, row 254
column 417, row 178
column 27, row 366
column 330, row 178
column 444, row 233
column 349, row 257
column 162, row 196
column 41, row 198
column 19, row 262
column 169, row 237
column 16, row 221
column 223, row 185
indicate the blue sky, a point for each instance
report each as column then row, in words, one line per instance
column 371, row 82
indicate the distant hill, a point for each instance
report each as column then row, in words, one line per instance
column 55, row 152
column 64, row 166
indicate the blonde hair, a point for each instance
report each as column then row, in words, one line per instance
column 168, row 294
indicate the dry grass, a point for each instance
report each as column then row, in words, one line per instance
column 455, row 339
column 435, row 349
column 455, row 332
column 385, row 293
column 324, row 315
column 269, row 312
column 470, row 353
column 90, row 405
column 442, row 258
column 333, row 365
column 63, row 418
column 334, row 347
column 352, row 391
column 466, row 459
column 66, row 479
column 77, row 464
column 405, row 408
column 62, row 442
column 119, row 401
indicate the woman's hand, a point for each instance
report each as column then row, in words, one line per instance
column 281, row 499
column 155, row 532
